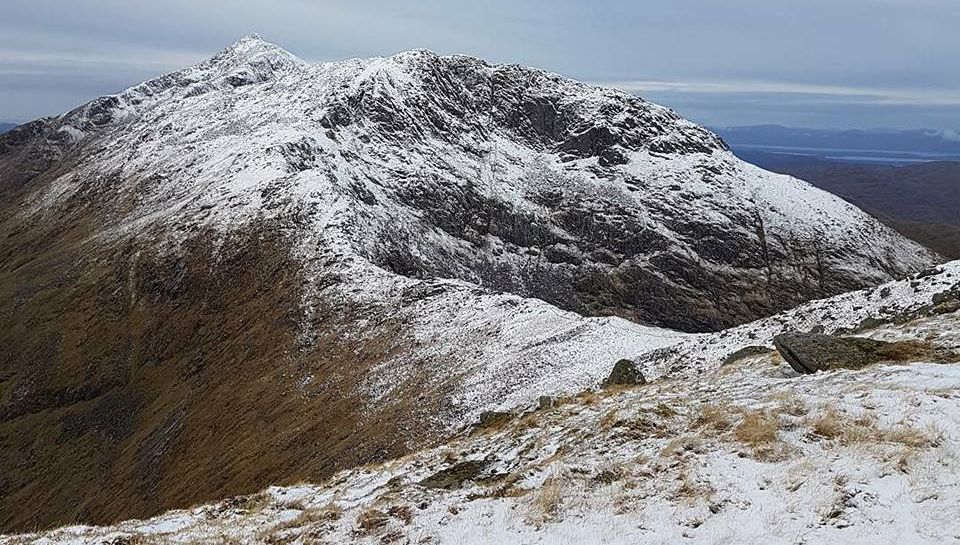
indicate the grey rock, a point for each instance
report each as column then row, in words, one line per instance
column 493, row 418
column 625, row 373
column 809, row 353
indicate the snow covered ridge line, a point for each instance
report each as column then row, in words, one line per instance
column 521, row 349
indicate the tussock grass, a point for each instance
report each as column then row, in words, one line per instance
column 371, row 520
column 547, row 501
column 716, row 418
column 757, row 429
column 899, row 443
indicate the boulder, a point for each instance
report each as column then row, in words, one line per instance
column 625, row 373
column 809, row 353
column 493, row 418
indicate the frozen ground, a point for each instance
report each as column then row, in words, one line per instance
column 749, row 452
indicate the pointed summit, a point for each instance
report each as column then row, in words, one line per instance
column 251, row 45
column 250, row 59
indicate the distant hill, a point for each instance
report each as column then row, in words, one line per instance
column 880, row 146
column 4, row 127
column 922, row 201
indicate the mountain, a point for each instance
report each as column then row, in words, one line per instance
column 724, row 446
column 921, row 201
column 4, row 127
column 879, row 146
column 257, row 270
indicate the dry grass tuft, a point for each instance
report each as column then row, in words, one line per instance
column 681, row 445
column 402, row 512
column 691, row 490
column 664, row 411
column 828, row 425
column 864, row 431
column 789, row 403
column 546, row 504
column 717, row 418
column 588, row 397
column 757, row 429
column 371, row 520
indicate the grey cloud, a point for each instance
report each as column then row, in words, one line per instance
column 904, row 45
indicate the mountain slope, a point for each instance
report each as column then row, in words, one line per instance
column 920, row 201
column 429, row 166
column 746, row 452
column 257, row 270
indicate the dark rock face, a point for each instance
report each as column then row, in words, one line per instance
column 808, row 353
column 625, row 373
column 454, row 476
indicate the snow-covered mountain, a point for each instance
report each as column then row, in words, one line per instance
column 428, row 166
column 281, row 269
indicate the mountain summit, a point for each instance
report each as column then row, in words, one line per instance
column 259, row 264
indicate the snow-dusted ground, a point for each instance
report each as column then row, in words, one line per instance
column 486, row 351
column 847, row 312
column 749, row 452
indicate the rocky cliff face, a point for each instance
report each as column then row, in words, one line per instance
column 256, row 261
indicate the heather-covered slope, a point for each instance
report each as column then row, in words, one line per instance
column 257, row 270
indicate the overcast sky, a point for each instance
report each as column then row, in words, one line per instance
column 817, row 63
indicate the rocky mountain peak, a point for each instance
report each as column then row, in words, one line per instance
column 251, row 53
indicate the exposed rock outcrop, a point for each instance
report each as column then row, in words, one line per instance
column 809, row 352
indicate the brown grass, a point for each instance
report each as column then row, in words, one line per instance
column 864, row 431
column 757, row 429
column 402, row 512
column 371, row 520
column 690, row 490
column 547, row 502
column 147, row 381
column 681, row 445
column 789, row 403
column 716, row 418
